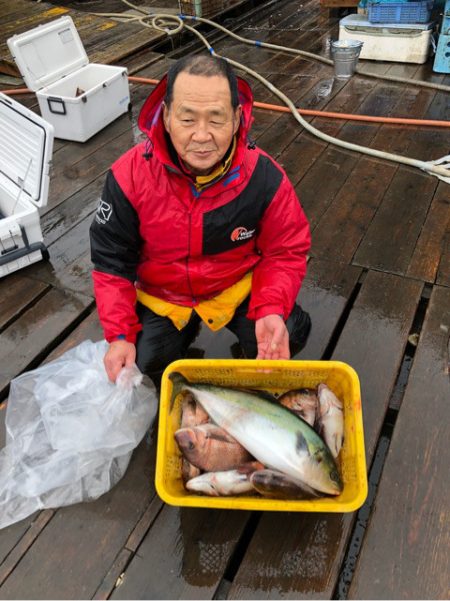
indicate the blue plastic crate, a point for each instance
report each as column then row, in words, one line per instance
column 380, row 11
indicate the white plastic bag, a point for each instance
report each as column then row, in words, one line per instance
column 70, row 432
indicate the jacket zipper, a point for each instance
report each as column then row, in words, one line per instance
column 194, row 300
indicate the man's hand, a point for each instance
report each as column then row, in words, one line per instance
column 272, row 338
column 120, row 354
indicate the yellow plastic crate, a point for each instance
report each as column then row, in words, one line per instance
column 276, row 377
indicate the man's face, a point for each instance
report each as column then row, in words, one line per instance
column 201, row 121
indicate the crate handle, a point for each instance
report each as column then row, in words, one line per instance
column 253, row 370
column 56, row 105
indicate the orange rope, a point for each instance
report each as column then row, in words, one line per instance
column 143, row 80
column 17, row 91
column 352, row 117
column 308, row 112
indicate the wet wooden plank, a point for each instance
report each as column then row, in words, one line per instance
column 17, row 539
column 373, row 342
column 405, row 550
column 328, row 176
column 19, row 17
column 356, row 203
column 35, row 331
column 298, row 556
column 392, row 235
column 325, row 293
column 69, row 266
column 430, row 249
column 284, row 71
column 184, row 555
column 16, row 294
column 106, row 41
column 443, row 276
column 403, row 212
column 57, row 222
column 299, row 157
column 91, row 535
column 343, row 224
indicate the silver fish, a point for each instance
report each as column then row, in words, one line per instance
column 226, row 483
column 331, row 419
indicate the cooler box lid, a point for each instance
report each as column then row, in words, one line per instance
column 48, row 52
column 360, row 23
column 26, row 145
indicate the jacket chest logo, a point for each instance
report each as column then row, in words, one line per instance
column 241, row 233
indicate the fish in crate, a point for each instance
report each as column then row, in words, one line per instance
column 255, row 444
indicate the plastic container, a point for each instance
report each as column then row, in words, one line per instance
column 442, row 58
column 77, row 97
column 345, row 55
column 276, row 377
column 400, row 42
column 26, row 145
column 399, row 12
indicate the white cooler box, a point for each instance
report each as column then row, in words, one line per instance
column 26, row 145
column 399, row 42
column 76, row 97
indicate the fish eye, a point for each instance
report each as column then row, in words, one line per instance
column 191, row 446
column 334, row 475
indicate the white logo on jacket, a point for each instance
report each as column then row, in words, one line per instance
column 241, row 233
column 104, row 212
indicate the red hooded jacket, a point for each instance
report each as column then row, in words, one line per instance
column 155, row 231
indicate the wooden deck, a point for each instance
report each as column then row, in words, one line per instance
column 378, row 290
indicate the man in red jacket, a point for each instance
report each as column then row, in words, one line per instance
column 197, row 224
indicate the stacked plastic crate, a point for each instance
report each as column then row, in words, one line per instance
column 399, row 11
column 391, row 30
column 442, row 59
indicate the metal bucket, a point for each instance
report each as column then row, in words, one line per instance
column 345, row 55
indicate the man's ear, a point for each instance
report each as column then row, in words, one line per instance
column 166, row 116
column 237, row 119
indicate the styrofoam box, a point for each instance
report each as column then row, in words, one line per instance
column 77, row 97
column 26, row 145
column 399, row 42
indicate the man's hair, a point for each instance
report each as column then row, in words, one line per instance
column 207, row 66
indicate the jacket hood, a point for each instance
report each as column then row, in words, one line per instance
column 150, row 120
